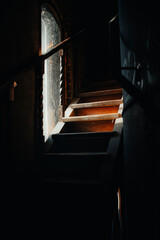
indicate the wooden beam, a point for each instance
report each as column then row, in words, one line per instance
column 101, row 93
column 99, row 117
column 97, row 104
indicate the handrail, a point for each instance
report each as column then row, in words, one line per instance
column 37, row 61
column 137, row 94
column 129, row 87
column 60, row 45
column 132, row 90
column 25, row 68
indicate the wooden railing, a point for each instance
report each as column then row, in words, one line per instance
column 136, row 93
column 37, row 61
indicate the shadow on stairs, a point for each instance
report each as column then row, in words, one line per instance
column 76, row 190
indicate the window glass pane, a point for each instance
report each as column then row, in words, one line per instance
column 51, row 79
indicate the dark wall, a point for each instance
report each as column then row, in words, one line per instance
column 139, row 45
column 92, row 50
column 19, row 45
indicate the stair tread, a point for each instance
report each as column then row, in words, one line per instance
column 77, row 154
column 75, row 165
column 81, row 143
column 97, row 104
column 66, row 180
column 101, row 93
column 100, row 98
column 89, row 126
column 94, row 111
column 97, row 86
column 84, row 134
column 98, row 117
column 104, row 83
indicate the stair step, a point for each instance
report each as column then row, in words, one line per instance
column 75, row 165
column 91, row 154
column 104, row 83
column 83, row 135
column 100, row 98
column 101, row 93
column 77, row 145
column 82, row 142
column 71, row 181
column 96, row 86
column 99, row 117
column 97, row 104
column 94, row 111
column 89, row 126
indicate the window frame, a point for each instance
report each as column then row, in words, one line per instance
column 56, row 15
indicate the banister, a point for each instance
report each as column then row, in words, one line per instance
column 38, row 60
column 129, row 87
column 140, row 97
column 132, row 90
column 60, row 45
column 17, row 74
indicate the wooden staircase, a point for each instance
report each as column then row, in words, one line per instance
column 93, row 111
column 79, row 170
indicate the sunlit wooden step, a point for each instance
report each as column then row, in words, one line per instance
column 88, row 126
column 101, row 93
column 107, row 103
column 94, row 111
column 99, row 117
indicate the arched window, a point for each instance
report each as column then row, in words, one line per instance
column 50, row 36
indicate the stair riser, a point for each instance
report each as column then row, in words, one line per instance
column 99, row 88
column 99, row 98
column 109, row 103
column 92, row 126
column 80, row 145
column 85, row 167
column 101, row 93
column 93, row 111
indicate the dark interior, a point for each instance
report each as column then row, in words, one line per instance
column 113, row 40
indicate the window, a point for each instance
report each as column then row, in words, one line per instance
column 50, row 36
